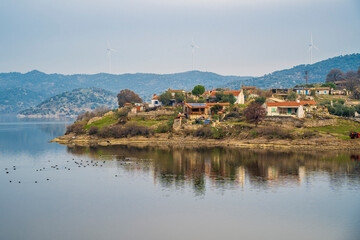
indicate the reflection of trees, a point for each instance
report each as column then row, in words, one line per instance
column 224, row 168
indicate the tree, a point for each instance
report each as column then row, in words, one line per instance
column 179, row 97
column 260, row 100
column 334, row 75
column 224, row 98
column 254, row 113
column 198, row 90
column 215, row 109
column 352, row 80
column 356, row 94
column 127, row 96
column 331, row 85
column 165, row 98
column 292, row 96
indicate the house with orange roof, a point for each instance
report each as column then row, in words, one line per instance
column 155, row 101
column 198, row 110
column 291, row 108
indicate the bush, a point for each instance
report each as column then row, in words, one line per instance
column 122, row 113
column 232, row 115
column 77, row 128
column 204, row 132
column 218, row 133
column 163, row 128
column 275, row 132
column 341, row 110
column 93, row 130
column 308, row 134
column 128, row 130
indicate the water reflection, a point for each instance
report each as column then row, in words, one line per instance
column 228, row 168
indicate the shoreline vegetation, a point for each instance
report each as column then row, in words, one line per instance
column 159, row 128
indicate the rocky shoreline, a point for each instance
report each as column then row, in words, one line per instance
column 320, row 143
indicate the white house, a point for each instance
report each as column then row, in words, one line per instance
column 293, row 108
column 155, row 101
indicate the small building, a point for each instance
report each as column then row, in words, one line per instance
column 292, row 108
column 135, row 108
column 282, row 92
column 318, row 90
column 238, row 94
column 155, row 101
column 197, row 110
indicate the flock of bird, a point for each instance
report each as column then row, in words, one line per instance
column 79, row 163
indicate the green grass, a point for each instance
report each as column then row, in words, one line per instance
column 148, row 123
column 340, row 130
column 105, row 121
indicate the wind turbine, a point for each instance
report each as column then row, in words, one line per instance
column 109, row 50
column 311, row 46
column 193, row 47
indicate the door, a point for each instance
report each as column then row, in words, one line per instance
column 289, row 110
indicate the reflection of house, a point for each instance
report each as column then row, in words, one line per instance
column 293, row 108
column 318, row 90
column 155, row 101
column 196, row 110
column 238, row 94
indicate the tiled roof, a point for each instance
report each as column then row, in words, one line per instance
column 205, row 105
column 155, row 97
column 290, row 104
column 196, row 105
column 234, row 92
column 221, row 104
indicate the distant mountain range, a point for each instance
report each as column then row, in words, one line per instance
column 290, row 77
column 71, row 104
column 20, row 91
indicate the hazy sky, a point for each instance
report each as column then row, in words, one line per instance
column 242, row 37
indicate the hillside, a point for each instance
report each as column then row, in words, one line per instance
column 44, row 85
column 289, row 77
column 70, row 104
column 15, row 99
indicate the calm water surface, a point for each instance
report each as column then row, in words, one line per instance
column 162, row 193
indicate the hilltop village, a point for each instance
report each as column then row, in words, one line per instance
column 312, row 116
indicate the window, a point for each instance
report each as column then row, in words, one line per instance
column 273, row 109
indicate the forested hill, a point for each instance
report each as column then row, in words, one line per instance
column 71, row 104
column 289, row 77
column 40, row 86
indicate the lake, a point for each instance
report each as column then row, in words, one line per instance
column 50, row 191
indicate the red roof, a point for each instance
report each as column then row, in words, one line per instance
column 221, row 104
column 290, row 104
column 234, row 92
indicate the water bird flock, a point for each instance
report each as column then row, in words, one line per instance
column 80, row 163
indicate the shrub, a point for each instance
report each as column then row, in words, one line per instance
column 122, row 113
column 232, row 115
column 93, row 130
column 204, row 132
column 163, row 128
column 77, row 127
column 218, row 133
column 275, row 132
column 308, row 134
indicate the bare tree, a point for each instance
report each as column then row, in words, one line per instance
column 254, row 113
column 335, row 75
